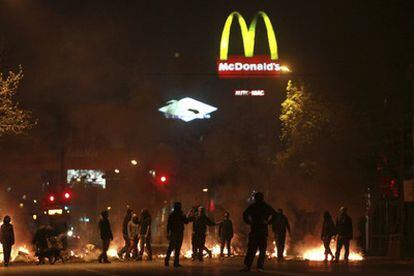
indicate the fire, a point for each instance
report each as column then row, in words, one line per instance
column 112, row 252
column 215, row 251
column 317, row 254
column 23, row 249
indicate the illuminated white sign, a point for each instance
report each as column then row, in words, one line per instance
column 52, row 212
column 244, row 92
column 95, row 177
column 187, row 109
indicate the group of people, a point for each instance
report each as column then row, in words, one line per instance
column 135, row 229
column 342, row 229
column 197, row 215
column 259, row 215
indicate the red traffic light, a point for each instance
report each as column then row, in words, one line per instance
column 162, row 179
column 51, row 198
column 67, row 195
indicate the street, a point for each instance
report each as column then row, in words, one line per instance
column 214, row 267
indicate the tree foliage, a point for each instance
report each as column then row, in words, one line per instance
column 305, row 122
column 13, row 119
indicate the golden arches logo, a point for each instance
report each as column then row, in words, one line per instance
column 248, row 35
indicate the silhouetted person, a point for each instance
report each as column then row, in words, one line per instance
column 42, row 234
column 127, row 240
column 175, row 233
column 133, row 235
column 106, row 236
column 7, row 239
column 225, row 234
column 280, row 225
column 200, row 223
column 145, row 234
column 258, row 216
column 344, row 233
column 328, row 231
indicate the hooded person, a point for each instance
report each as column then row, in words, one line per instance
column 127, row 240
column 133, row 236
column 258, row 215
column 106, row 236
column 175, row 233
column 344, row 233
column 7, row 238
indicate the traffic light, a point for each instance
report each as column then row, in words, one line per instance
column 163, row 179
column 67, row 195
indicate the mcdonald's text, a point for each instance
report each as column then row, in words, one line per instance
column 247, row 67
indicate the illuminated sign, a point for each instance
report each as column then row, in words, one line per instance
column 52, row 212
column 94, row 177
column 187, row 109
column 246, row 92
column 249, row 65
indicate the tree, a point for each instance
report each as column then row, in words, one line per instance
column 305, row 121
column 13, row 119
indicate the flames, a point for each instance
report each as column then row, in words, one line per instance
column 22, row 253
column 317, row 254
column 112, row 252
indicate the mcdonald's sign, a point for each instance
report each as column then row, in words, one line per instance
column 249, row 65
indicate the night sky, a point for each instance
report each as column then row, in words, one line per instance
column 96, row 71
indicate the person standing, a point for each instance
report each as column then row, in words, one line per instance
column 133, row 236
column 127, row 240
column 200, row 223
column 344, row 234
column 145, row 234
column 106, row 236
column 328, row 231
column 257, row 215
column 280, row 226
column 7, row 239
column 175, row 233
column 225, row 234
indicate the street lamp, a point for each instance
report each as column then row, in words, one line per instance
column 205, row 190
column 134, row 162
column 116, row 171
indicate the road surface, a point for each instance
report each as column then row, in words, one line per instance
column 214, row 267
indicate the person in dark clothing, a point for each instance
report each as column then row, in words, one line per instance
column 7, row 239
column 194, row 240
column 145, row 234
column 344, row 233
column 328, row 231
column 40, row 242
column 106, row 236
column 127, row 240
column 175, row 233
column 280, row 225
column 200, row 223
column 258, row 215
column 225, row 234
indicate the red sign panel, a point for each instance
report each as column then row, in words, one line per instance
column 259, row 66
